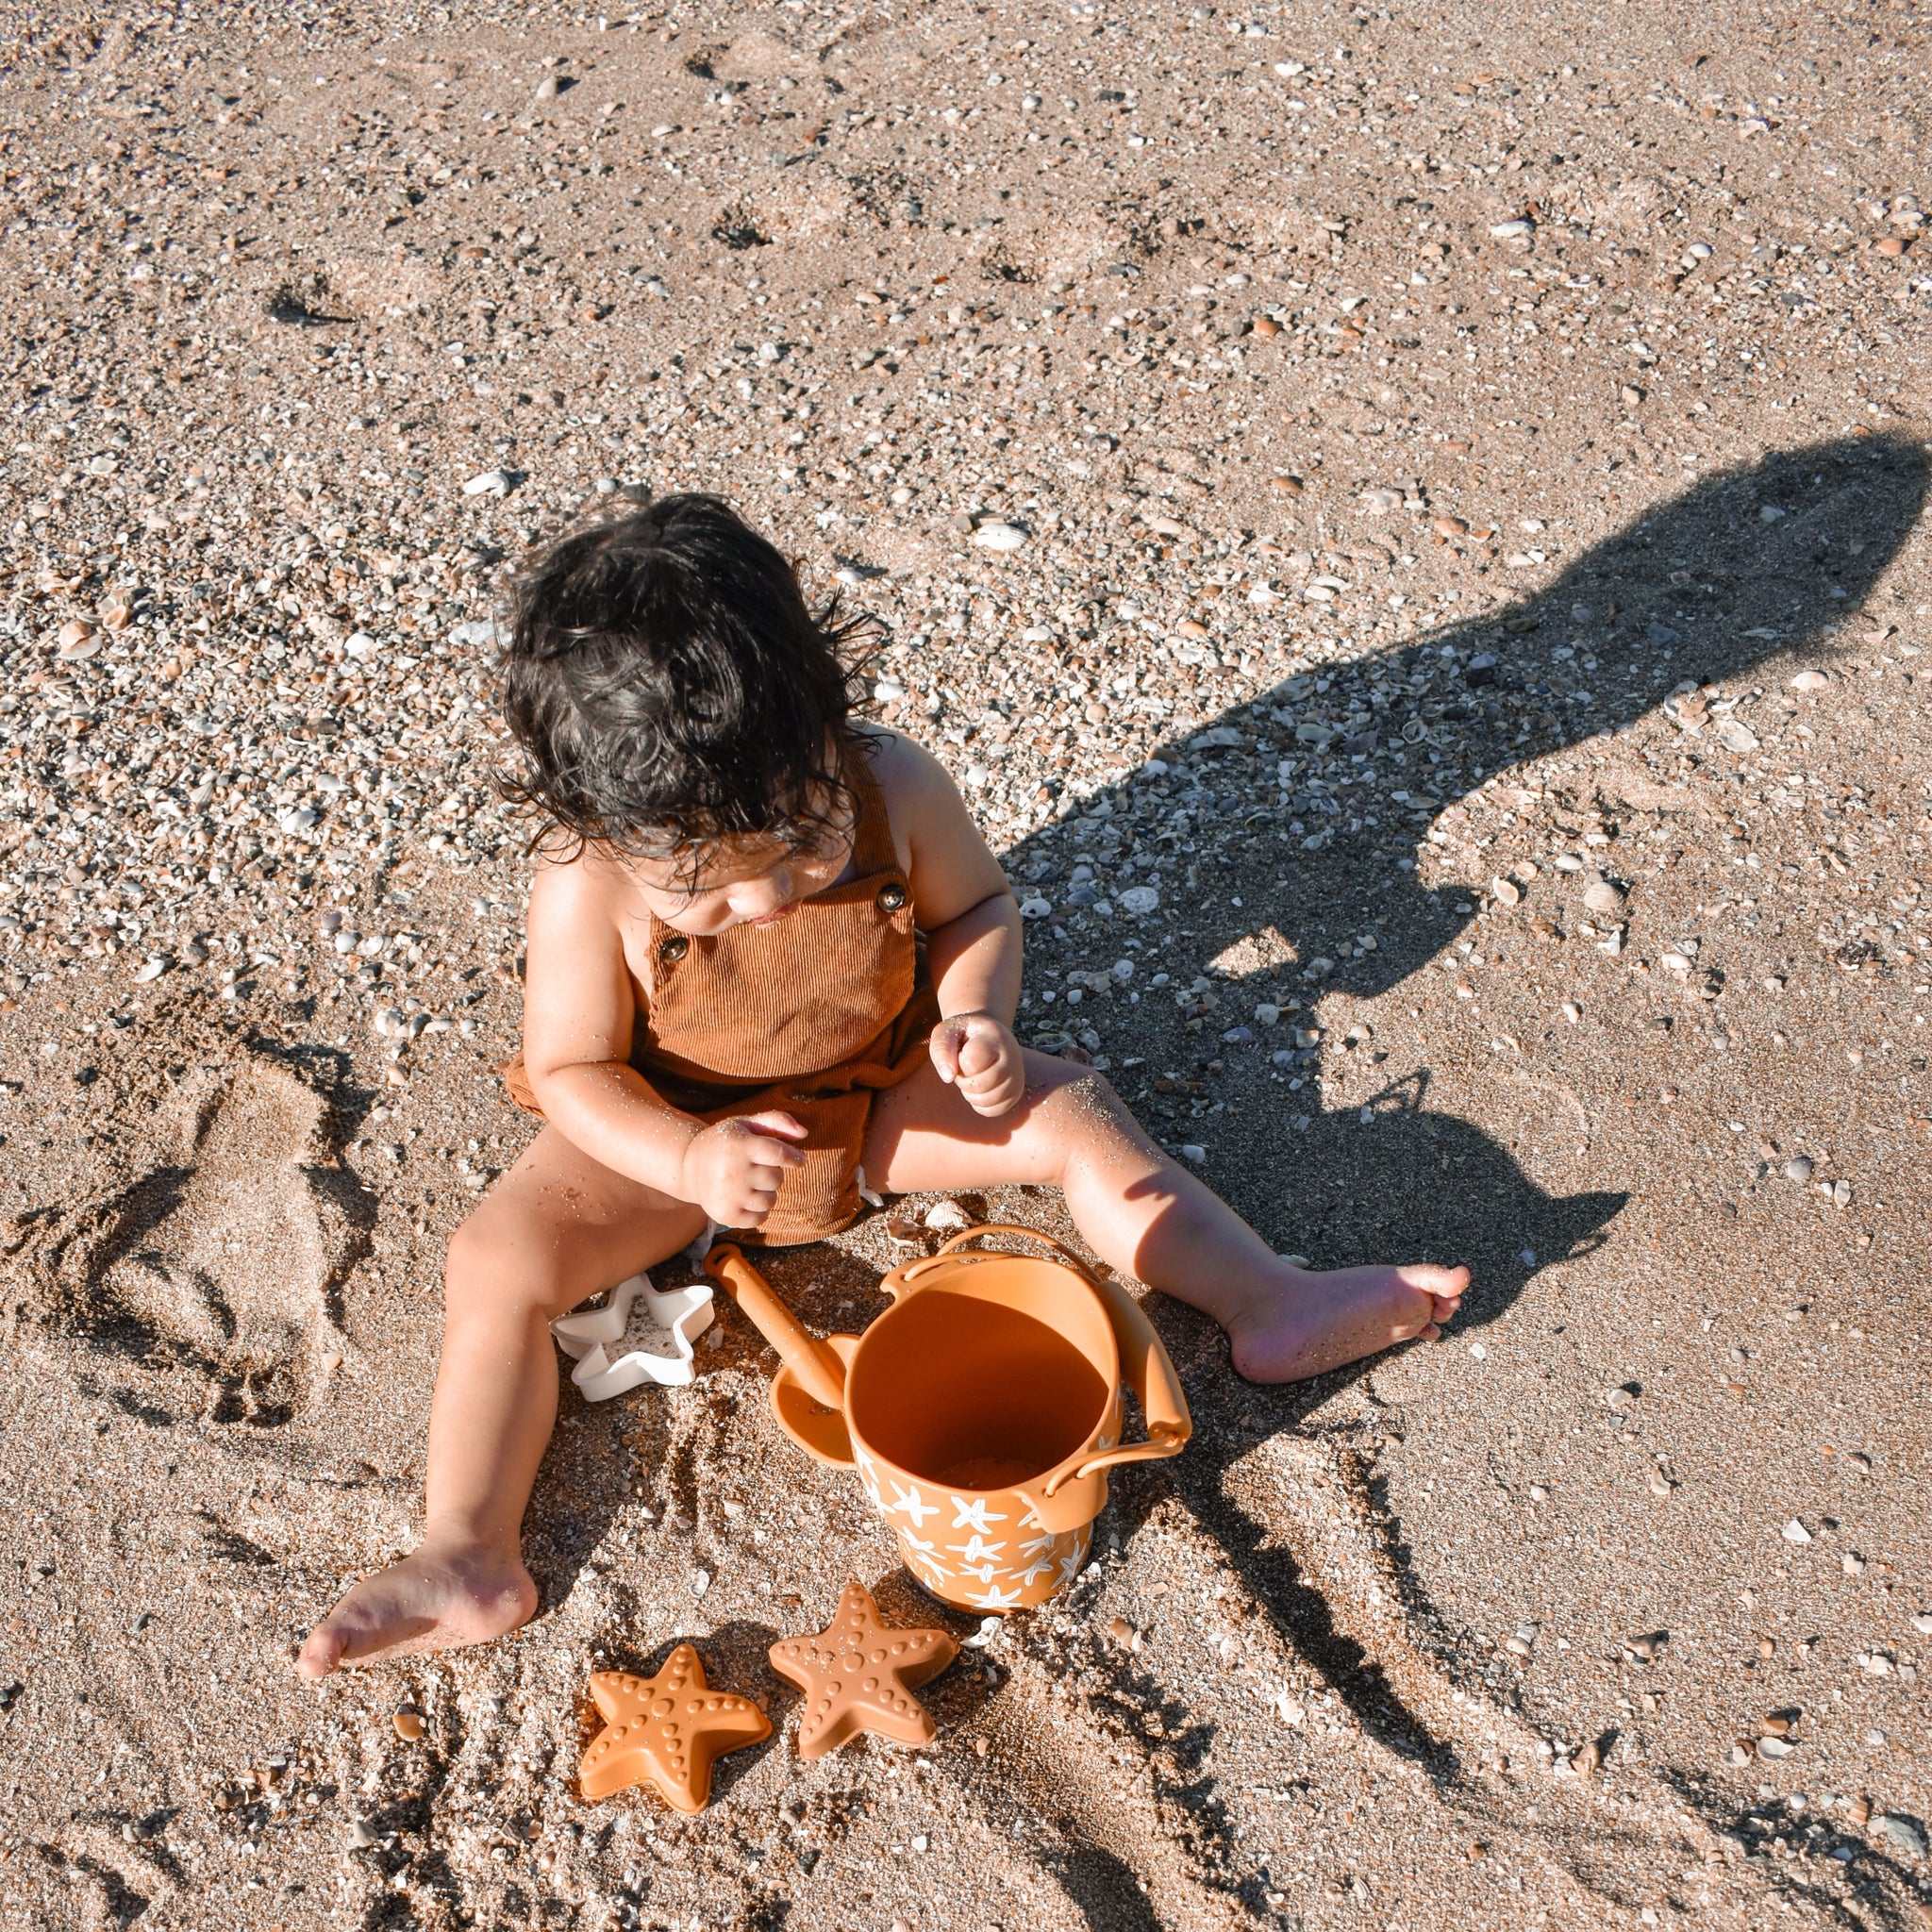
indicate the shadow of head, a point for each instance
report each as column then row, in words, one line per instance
column 1766, row 561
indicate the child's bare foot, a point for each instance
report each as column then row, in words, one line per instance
column 438, row 1597
column 1310, row 1323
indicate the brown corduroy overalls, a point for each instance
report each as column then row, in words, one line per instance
column 812, row 1016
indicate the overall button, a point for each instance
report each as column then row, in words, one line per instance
column 673, row 949
column 891, row 898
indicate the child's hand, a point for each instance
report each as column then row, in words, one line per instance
column 979, row 1056
column 733, row 1170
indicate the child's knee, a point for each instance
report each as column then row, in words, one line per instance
column 1085, row 1107
column 487, row 1267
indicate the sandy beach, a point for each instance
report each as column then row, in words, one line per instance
column 1409, row 528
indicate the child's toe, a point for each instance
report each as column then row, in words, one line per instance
column 321, row 1653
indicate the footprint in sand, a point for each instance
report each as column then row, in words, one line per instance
column 227, row 1254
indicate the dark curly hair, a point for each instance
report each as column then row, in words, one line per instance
column 668, row 687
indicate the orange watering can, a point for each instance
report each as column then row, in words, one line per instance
column 982, row 1409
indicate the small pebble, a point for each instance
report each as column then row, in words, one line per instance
column 1900, row 1831
column 999, row 537
column 1796, row 1532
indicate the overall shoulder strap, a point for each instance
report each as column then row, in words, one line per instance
column 872, row 836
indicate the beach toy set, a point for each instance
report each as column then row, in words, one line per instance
column 981, row 1412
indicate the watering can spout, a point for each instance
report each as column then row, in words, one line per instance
column 814, row 1367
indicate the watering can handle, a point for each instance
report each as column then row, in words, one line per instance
column 1145, row 1365
column 1148, row 1369
column 814, row 1367
column 914, row 1269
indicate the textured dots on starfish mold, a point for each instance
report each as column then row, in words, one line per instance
column 650, row 1739
column 854, row 1674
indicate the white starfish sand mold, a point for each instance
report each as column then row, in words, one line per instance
column 595, row 1338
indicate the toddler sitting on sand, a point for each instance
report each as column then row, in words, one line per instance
column 768, row 948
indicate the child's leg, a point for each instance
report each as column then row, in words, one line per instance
column 556, row 1229
column 1150, row 1218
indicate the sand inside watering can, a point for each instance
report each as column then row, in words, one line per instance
column 986, row 1473
column 975, row 1395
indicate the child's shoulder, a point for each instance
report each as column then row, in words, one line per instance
column 939, row 844
column 908, row 774
column 578, row 891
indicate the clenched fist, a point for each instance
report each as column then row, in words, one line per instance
column 975, row 1053
column 733, row 1170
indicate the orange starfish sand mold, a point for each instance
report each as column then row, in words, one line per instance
column 668, row 1729
column 859, row 1675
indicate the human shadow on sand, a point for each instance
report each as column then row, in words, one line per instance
column 1758, row 563
column 1761, row 562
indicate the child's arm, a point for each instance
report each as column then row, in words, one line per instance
column 579, row 1009
column 962, row 901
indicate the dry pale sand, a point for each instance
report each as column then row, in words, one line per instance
column 1477, row 455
